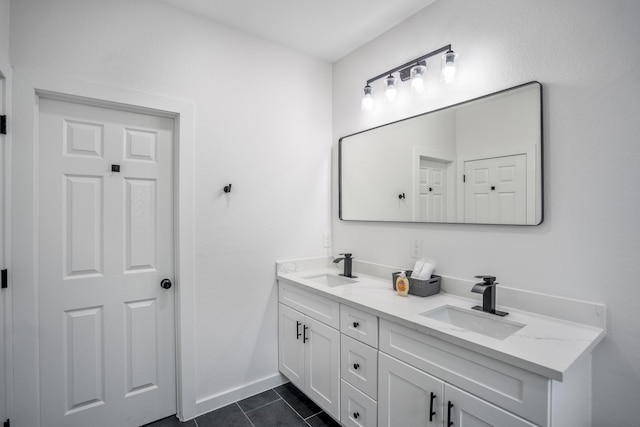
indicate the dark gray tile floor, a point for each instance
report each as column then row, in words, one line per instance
column 283, row 406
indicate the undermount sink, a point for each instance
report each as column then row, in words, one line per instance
column 481, row 323
column 330, row 280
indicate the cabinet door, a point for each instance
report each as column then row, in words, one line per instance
column 290, row 346
column 322, row 366
column 470, row 411
column 407, row 396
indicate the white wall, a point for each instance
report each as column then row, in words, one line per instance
column 262, row 123
column 585, row 53
column 4, row 28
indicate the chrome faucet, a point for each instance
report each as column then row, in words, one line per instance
column 488, row 290
column 348, row 265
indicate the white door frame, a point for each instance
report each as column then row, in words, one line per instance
column 6, row 354
column 27, row 88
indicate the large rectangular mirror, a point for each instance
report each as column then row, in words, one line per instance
column 477, row 162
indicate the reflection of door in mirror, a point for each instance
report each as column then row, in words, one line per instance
column 432, row 205
column 495, row 190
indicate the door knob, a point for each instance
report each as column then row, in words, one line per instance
column 165, row 284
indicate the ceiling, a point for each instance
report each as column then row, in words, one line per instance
column 326, row 29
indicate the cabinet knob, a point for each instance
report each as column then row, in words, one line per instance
column 356, row 415
column 356, row 366
column 356, row 324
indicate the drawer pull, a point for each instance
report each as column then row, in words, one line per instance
column 449, row 406
column 431, row 411
column 356, row 415
column 356, row 324
column 298, row 334
column 356, row 366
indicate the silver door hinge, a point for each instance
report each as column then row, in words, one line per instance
column 3, row 125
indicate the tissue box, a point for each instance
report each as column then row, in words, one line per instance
column 421, row 288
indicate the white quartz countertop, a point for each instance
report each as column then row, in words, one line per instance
column 545, row 345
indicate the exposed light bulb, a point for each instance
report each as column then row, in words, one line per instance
column 367, row 100
column 449, row 66
column 417, row 78
column 391, row 91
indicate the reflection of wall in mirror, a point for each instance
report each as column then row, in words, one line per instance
column 504, row 127
column 384, row 166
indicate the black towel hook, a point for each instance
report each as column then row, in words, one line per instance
column 227, row 188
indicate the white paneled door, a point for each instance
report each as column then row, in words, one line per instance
column 495, row 190
column 105, row 243
column 433, row 191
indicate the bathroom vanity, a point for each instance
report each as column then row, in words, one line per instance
column 371, row 358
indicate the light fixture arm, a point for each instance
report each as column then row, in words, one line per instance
column 410, row 63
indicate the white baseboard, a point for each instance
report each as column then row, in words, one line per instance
column 219, row 400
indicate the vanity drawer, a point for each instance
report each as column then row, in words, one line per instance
column 359, row 325
column 359, row 365
column 318, row 307
column 511, row 388
column 356, row 408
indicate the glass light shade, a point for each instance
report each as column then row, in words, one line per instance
column 391, row 90
column 367, row 100
column 417, row 78
column 449, row 66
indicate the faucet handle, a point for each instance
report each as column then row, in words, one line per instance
column 488, row 280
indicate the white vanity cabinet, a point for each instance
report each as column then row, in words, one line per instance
column 482, row 390
column 359, row 367
column 370, row 359
column 309, row 345
column 411, row 397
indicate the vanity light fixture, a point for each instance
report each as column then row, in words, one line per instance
column 414, row 70
column 417, row 78
column 390, row 91
column 367, row 100
column 449, row 66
